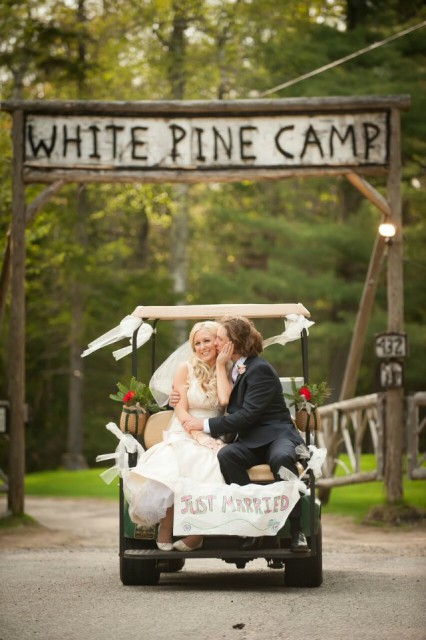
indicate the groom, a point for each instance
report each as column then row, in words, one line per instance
column 257, row 419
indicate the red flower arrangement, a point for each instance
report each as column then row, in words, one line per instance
column 128, row 397
column 307, row 397
column 135, row 394
column 304, row 391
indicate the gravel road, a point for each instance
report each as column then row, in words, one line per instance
column 59, row 580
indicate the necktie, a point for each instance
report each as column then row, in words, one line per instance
column 234, row 374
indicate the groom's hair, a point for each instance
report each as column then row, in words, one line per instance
column 243, row 334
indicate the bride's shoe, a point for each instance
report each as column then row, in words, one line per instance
column 180, row 545
column 165, row 531
column 165, row 546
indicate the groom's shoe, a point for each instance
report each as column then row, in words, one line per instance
column 251, row 544
column 298, row 542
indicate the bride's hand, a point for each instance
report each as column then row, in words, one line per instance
column 225, row 353
column 192, row 424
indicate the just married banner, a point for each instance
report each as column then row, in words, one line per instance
column 222, row 509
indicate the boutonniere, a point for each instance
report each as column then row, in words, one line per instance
column 241, row 369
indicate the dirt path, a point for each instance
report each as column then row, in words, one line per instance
column 65, row 522
column 90, row 523
column 59, row 579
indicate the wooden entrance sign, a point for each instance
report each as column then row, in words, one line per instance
column 198, row 141
column 163, row 141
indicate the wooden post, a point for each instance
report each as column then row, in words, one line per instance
column 394, row 428
column 370, row 286
column 31, row 211
column 363, row 317
column 353, row 363
column 369, row 192
column 17, row 325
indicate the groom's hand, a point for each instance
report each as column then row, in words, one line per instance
column 193, row 424
column 174, row 398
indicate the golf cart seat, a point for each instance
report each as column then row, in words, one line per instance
column 154, row 427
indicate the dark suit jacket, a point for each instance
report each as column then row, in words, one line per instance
column 257, row 412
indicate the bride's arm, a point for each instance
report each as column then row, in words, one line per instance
column 180, row 384
column 223, row 383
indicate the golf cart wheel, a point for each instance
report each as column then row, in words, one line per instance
column 138, row 572
column 305, row 572
column 171, row 566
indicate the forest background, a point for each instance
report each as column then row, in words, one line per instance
column 97, row 251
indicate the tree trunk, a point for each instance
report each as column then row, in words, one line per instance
column 178, row 260
column 179, row 227
column 356, row 13
column 30, row 212
column 74, row 458
column 5, row 277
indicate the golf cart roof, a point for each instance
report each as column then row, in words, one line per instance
column 217, row 311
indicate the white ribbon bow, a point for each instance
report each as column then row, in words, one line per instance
column 128, row 444
column 315, row 463
column 294, row 325
column 144, row 334
column 125, row 329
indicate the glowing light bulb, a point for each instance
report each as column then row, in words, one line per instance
column 387, row 230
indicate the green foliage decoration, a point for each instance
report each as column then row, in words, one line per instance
column 308, row 396
column 136, row 393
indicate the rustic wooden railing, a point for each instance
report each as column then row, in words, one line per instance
column 354, row 425
column 415, row 424
column 346, row 425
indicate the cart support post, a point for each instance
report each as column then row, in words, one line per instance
column 304, row 344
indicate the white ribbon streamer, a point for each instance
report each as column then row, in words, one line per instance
column 125, row 329
column 144, row 334
column 288, row 476
column 315, row 463
column 127, row 444
column 317, row 460
column 294, row 325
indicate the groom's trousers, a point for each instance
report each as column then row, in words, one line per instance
column 236, row 458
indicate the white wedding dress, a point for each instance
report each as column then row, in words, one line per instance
column 149, row 487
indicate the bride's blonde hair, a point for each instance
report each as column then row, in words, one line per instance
column 205, row 375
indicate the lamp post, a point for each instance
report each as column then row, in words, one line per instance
column 392, row 366
column 392, row 226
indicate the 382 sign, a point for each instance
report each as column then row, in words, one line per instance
column 391, row 345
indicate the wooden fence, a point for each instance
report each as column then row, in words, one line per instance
column 416, row 422
column 356, row 426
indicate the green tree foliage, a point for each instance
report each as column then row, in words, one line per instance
column 293, row 240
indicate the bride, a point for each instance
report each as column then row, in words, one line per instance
column 204, row 388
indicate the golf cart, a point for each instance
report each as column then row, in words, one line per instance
column 141, row 562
